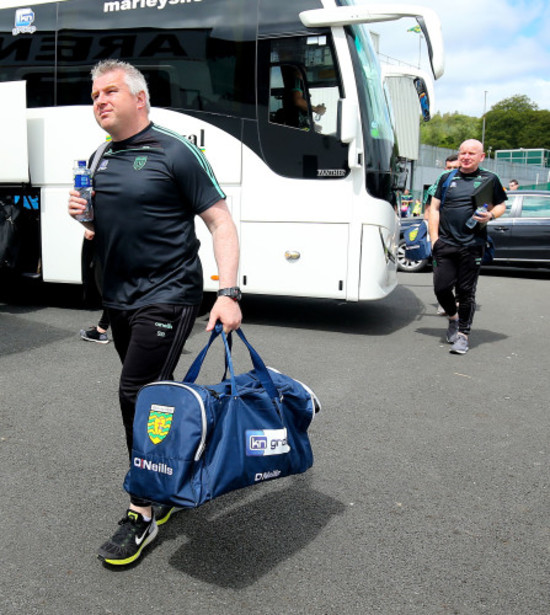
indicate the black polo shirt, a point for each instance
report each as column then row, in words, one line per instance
column 148, row 190
column 459, row 205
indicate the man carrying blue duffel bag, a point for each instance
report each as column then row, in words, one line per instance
column 149, row 185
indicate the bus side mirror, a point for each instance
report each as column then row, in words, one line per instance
column 423, row 98
column 401, row 175
column 347, row 120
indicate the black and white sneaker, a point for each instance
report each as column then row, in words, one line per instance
column 129, row 540
column 93, row 335
column 163, row 512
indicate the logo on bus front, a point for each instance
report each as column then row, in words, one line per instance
column 24, row 18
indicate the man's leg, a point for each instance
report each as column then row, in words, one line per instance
column 445, row 261
column 445, row 267
column 144, row 338
column 103, row 323
column 469, row 267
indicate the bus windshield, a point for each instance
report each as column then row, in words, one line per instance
column 377, row 113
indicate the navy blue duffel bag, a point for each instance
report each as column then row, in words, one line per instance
column 193, row 443
column 417, row 241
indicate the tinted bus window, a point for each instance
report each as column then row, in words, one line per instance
column 207, row 69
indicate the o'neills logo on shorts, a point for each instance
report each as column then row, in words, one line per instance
column 160, row 468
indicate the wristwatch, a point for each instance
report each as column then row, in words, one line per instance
column 233, row 293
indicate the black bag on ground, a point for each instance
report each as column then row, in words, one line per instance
column 10, row 213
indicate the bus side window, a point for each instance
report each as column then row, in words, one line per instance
column 297, row 108
column 304, row 89
column 289, row 97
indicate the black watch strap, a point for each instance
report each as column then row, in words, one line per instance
column 233, row 293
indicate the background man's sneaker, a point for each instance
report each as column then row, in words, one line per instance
column 126, row 545
column 452, row 331
column 461, row 345
column 164, row 512
column 93, row 335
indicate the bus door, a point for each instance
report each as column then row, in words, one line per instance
column 19, row 204
column 294, row 222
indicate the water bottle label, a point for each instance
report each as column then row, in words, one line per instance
column 82, row 181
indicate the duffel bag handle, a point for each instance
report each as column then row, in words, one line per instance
column 259, row 365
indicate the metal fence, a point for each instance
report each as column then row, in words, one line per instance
column 434, row 157
column 431, row 163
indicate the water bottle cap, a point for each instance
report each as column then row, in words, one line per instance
column 81, row 163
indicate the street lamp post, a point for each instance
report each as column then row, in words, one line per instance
column 483, row 122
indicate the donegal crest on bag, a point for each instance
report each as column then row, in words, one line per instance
column 417, row 242
column 159, row 423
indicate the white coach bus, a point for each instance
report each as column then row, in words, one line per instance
column 313, row 193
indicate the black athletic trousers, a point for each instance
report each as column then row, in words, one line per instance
column 149, row 342
column 457, row 267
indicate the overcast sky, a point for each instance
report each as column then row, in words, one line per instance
column 501, row 47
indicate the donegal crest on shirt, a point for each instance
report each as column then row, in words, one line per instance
column 140, row 162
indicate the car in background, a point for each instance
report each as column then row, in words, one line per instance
column 521, row 235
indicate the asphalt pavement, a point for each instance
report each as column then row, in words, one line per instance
column 428, row 495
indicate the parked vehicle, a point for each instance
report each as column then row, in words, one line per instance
column 521, row 236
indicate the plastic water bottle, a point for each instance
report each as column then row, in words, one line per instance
column 83, row 183
column 471, row 222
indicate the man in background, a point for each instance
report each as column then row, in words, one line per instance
column 458, row 250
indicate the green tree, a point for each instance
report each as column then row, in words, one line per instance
column 508, row 123
column 450, row 130
column 537, row 133
column 512, row 123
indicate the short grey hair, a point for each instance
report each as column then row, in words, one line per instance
column 134, row 78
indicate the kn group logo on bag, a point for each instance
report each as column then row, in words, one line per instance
column 263, row 442
column 159, row 422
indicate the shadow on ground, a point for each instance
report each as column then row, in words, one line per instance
column 232, row 544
